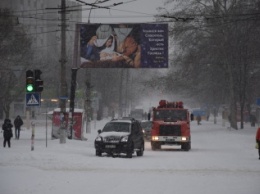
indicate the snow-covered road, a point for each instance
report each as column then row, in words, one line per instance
column 220, row 161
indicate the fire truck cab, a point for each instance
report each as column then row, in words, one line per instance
column 171, row 125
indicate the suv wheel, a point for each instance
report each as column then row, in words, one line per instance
column 186, row 146
column 129, row 153
column 141, row 151
column 98, row 153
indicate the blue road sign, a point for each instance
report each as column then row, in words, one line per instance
column 33, row 99
column 258, row 101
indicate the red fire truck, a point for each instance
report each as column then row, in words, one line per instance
column 171, row 125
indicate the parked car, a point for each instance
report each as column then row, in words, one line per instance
column 147, row 126
column 120, row 136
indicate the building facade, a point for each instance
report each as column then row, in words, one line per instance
column 41, row 20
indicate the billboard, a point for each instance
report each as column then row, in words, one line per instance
column 123, row 45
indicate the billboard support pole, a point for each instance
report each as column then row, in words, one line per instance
column 63, row 61
column 72, row 99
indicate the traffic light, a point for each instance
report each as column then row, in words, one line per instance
column 38, row 82
column 29, row 81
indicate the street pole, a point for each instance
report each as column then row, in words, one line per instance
column 88, row 90
column 121, row 93
column 46, row 128
column 32, row 137
column 63, row 84
column 88, row 101
column 72, row 100
column 126, row 92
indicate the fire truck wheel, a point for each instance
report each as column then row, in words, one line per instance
column 155, row 146
column 186, row 146
column 98, row 153
column 129, row 154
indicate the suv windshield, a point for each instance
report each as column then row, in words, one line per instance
column 118, row 127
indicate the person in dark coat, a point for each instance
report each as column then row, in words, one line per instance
column 18, row 122
column 8, row 133
column 252, row 120
column 257, row 138
column 198, row 119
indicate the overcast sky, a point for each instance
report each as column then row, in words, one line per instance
column 131, row 11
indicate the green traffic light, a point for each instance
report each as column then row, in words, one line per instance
column 29, row 88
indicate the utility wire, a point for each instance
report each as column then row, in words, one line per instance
column 203, row 25
column 176, row 19
column 110, row 7
column 184, row 18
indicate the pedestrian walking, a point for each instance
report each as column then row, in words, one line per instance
column 208, row 114
column 252, row 120
column 257, row 138
column 199, row 119
column 113, row 114
column 18, row 122
column 8, row 133
column 224, row 117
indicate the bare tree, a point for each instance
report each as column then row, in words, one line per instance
column 14, row 59
column 215, row 43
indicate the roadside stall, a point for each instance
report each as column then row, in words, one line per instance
column 78, row 123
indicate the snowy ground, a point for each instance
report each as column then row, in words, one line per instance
column 220, row 161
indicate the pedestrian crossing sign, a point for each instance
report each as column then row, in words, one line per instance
column 33, row 99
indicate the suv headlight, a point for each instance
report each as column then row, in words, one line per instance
column 124, row 139
column 98, row 138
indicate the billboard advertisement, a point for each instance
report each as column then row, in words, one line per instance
column 123, row 45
